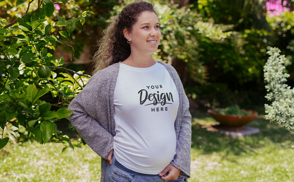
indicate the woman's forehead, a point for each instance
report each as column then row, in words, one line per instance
column 147, row 17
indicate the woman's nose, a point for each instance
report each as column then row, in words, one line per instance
column 153, row 32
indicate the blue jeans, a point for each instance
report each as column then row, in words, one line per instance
column 118, row 173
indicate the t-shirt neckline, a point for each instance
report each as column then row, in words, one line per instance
column 132, row 68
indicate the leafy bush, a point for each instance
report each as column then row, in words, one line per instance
column 29, row 72
column 181, row 28
column 281, row 96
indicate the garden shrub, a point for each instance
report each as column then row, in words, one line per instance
column 180, row 28
column 281, row 96
column 29, row 71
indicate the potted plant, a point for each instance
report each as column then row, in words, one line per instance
column 232, row 117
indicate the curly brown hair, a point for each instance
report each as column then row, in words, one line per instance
column 113, row 46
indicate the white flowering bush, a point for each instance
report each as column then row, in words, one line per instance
column 281, row 96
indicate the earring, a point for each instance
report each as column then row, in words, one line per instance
column 128, row 41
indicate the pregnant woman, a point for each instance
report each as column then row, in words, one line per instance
column 134, row 112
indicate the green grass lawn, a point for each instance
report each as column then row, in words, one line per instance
column 266, row 156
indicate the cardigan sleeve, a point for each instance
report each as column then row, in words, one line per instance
column 182, row 158
column 85, row 107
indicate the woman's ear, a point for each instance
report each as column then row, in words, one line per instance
column 127, row 35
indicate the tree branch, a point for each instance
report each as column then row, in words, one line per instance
column 74, row 79
column 60, row 68
column 29, row 6
column 66, row 69
column 39, row 4
column 14, row 21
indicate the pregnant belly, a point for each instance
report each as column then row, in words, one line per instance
column 147, row 156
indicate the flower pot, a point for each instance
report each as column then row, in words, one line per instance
column 232, row 121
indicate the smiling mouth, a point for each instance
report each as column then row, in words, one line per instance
column 152, row 41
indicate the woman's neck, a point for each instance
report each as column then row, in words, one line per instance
column 139, row 61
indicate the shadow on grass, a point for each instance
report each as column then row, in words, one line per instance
column 207, row 142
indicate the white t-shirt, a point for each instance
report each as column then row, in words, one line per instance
column 146, row 103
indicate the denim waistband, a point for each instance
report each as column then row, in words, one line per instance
column 119, row 165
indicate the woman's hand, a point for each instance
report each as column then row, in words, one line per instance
column 170, row 172
column 109, row 157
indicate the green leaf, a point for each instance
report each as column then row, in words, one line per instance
column 21, row 129
column 28, row 57
column 20, row 21
column 63, row 113
column 19, row 2
column 22, row 104
column 10, row 114
column 24, row 39
column 72, row 27
column 2, row 119
column 63, row 33
column 87, row 13
column 25, row 50
column 49, row 8
column 61, row 22
column 50, row 39
column 61, row 19
column 23, row 28
column 14, row 72
column 32, row 122
column 15, row 27
column 66, row 138
column 40, row 93
column 83, row 21
column 12, row 51
column 38, row 32
column 2, row 65
column 38, row 133
column 41, row 45
column 36, row 24
column 44, row 108
column 3, row 30
column 3, row 142
column 1, row 37
column 44, row 52
column 47, row 29
column 27, row 17
column 75, row 20
column 31, row 92
column 61, row 61
column 64, row 148
column 38, row 15
column 47, row 130
column 16, row 45
column 5, row 97
column 50, row 115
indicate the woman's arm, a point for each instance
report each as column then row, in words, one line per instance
column 97, row 137
column 90, row 114
column 182, row 158
column 183, row 127
column 180, row 165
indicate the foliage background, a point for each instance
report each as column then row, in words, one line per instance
column 217, row 46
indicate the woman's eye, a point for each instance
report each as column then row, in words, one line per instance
column 146, row 27
column 158, row 27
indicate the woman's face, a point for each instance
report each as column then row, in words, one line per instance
column 145, row 34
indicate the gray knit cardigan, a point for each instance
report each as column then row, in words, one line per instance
column 93, row 117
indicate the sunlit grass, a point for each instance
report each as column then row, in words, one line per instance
column 37, row 162
column 266, row 156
